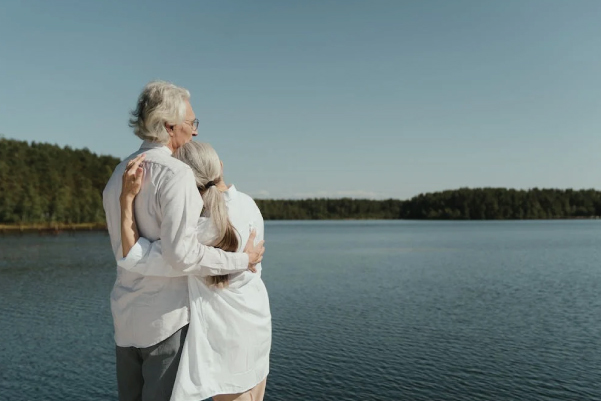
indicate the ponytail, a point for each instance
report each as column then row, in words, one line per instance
column 206, row 166
column 216, row 209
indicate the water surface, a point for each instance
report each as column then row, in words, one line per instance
column 362, row 310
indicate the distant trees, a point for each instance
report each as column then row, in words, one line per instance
column 460, row 204
column 502, row 203
column 42, row 183
column 321, row 209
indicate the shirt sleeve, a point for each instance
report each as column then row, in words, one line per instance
column 260, row 223
column 179, row 252
column 255, row 221
column 260, row 227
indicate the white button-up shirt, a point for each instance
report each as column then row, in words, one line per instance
column 148, row 309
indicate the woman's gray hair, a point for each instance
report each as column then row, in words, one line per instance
column 206, row 166
column 159, row 103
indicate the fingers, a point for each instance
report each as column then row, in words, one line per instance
column 132, row 176
column 261, row 249
column 256, row 254
column 134, row 163
column 139, row 172
column 250, row 243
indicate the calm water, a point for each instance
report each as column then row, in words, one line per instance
column 361, row 311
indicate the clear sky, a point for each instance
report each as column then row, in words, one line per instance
column 324, row 98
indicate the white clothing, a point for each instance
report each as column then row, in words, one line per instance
column 146, row 309
column 229, row 337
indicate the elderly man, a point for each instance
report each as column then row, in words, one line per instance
column 150, row 313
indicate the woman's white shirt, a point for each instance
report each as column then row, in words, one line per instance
column 229, row 338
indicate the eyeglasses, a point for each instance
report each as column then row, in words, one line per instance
column 194, row 124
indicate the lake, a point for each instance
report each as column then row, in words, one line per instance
column 362, row 310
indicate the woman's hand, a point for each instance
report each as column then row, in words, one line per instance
column 132, row 178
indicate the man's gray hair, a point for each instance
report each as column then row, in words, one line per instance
column 159, row 103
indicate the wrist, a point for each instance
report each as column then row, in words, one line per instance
column 252, row 256
column 126, row 199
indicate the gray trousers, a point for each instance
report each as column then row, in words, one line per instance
column 148, row 374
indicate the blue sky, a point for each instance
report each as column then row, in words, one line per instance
column 324, row 98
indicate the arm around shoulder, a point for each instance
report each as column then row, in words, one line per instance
column 181, row 205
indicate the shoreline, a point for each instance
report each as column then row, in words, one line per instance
column 51, row 228
column 56, row 228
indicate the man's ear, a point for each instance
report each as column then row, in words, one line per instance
column 169, row 128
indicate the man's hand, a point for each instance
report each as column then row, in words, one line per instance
column 255, row 252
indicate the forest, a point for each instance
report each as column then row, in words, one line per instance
column 46, row 184
column 42, row 183
column 459, row 204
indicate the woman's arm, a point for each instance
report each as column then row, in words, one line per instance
column 130, row 187
column 129, row 230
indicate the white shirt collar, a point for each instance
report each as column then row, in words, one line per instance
column 155, row 145
column 230, row 194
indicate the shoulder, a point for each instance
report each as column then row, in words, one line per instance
column 162, row 162
column 114, row 182
column 163, row 173
column 166, row 173
column 241, row 197
column 248, row 201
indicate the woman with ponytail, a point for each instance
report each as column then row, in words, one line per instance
column 226, row 353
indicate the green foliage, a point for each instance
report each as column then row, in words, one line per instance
column 42, row 183
column 320, row 209
column 501, row 203
column 460, row 204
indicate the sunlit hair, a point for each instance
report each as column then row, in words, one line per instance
column 205, row 164
column 160, row 102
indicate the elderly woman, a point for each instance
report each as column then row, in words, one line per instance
column 226, row 352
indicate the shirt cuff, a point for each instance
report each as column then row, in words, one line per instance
column 242, row 261
column 136, row 253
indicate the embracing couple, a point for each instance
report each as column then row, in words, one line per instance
column 190, row 310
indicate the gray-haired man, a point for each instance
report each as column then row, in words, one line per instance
column 150, row 313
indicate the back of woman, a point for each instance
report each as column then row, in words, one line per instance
column 229, row 338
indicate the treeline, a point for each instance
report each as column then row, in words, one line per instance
column 460, row 204
column 334, row 209
column 42, row 183
column 501, row 203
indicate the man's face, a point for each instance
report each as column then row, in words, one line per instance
column 182, row 133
